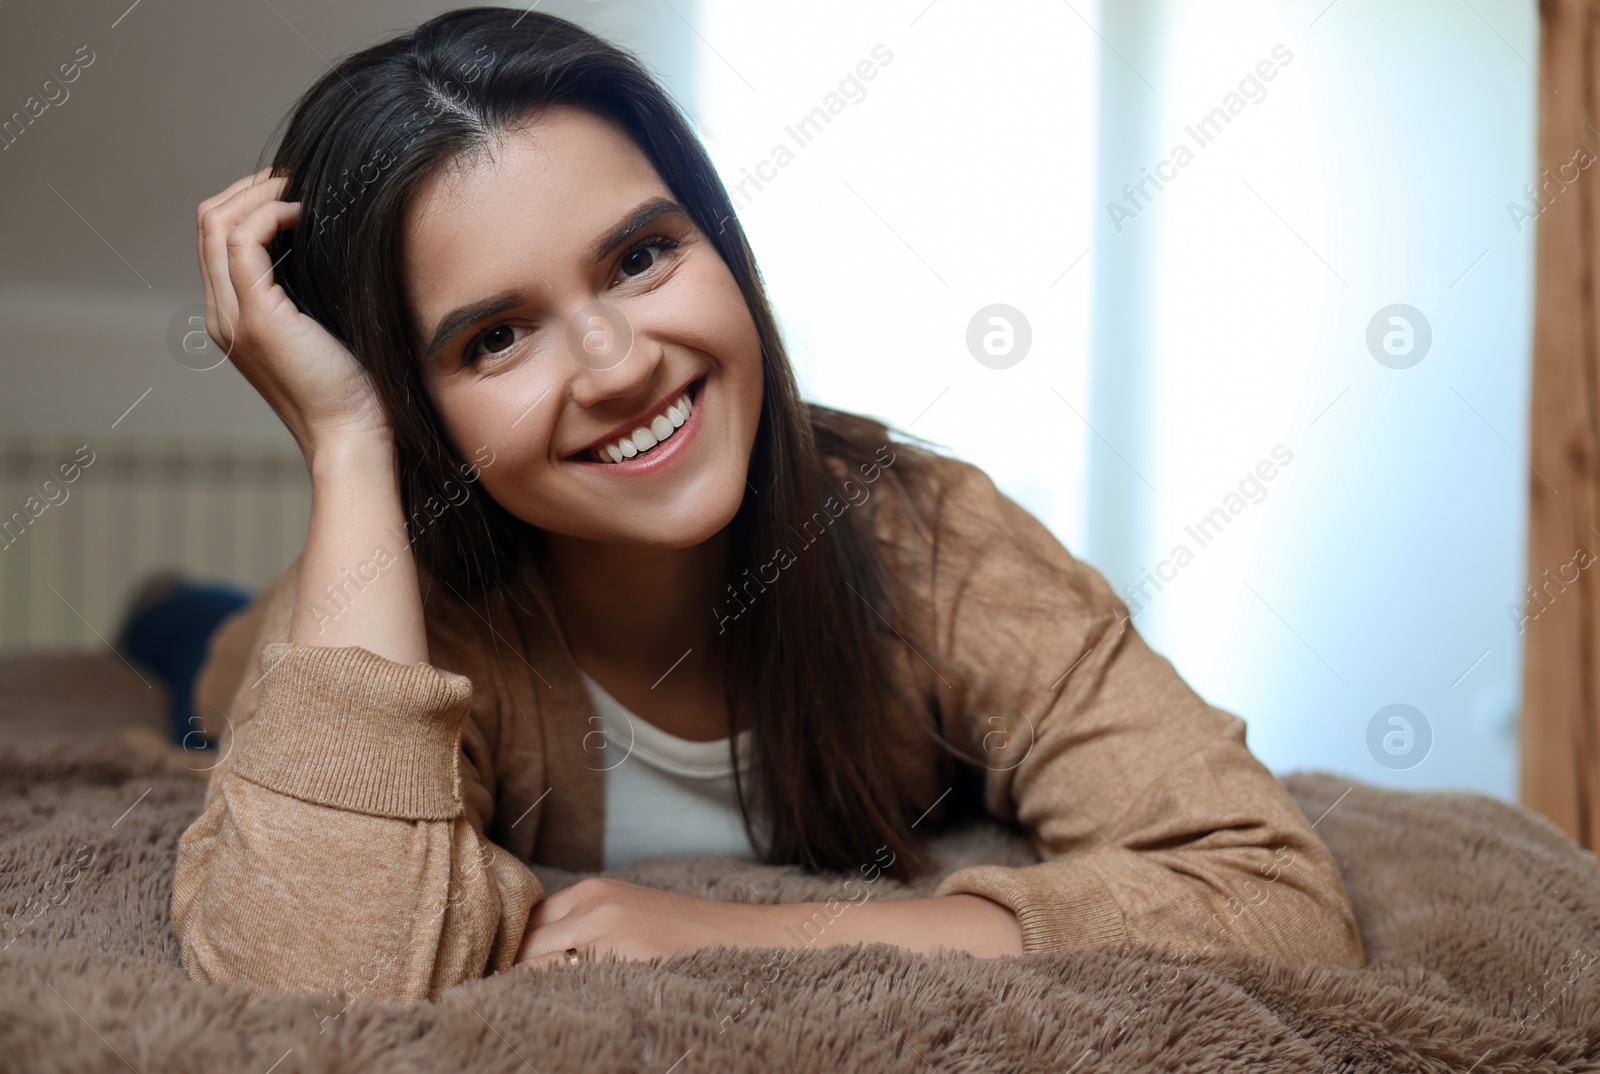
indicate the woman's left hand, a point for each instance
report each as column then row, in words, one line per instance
column 599, row 914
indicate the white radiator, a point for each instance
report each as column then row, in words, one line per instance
column 83, row 521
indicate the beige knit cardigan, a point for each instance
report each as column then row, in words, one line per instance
column 370, row 823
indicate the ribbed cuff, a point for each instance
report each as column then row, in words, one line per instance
column 1061, row 905
column 347, row 728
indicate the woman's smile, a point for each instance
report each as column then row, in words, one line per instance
column 649, row 445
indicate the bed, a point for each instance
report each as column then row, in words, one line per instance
column 1480, row 921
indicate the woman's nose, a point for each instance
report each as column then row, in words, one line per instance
column 599, row 336
column 611, row 356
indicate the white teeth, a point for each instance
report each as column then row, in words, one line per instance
column 644, row 438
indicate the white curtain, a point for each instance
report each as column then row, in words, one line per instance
column 1326, row 395
column 1195, row 211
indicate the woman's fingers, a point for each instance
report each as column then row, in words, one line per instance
column 220, row 215
column 216, row 223
column 308, row 377
column 200, row 221
column 549, row 944
column 552, row 928
column 249, row 264
column 532, row 935
column 553, row 958
column 551, row 909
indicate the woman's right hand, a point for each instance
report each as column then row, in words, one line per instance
column 309, row 378
column 327, row 400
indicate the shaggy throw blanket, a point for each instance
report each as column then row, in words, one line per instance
column 1479, row 919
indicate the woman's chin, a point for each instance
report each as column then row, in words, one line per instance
column 684, row 515
column 685, row 523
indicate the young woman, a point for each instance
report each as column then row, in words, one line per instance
column 586, row 582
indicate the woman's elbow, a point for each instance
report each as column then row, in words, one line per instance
column 1291, row 906
column 1318, row 927
column 1337, row 944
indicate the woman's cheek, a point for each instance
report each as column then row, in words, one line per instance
column 517, row 471
column 714, row 315
column 487, row 429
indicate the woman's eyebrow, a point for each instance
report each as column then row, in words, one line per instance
column 635, row 221
column 462, row 317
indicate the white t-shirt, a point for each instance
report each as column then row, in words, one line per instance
column 666, row 796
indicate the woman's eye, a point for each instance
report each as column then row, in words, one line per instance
column 500, row 338
column 638, row 260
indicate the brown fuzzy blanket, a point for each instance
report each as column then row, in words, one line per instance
column 1479, row 920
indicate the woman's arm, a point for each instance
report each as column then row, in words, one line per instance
column 1157, row 826
column 341, row 846
column 355, row 519
column 601, row 916
column 327, row 401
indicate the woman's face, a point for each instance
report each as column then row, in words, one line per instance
column 562, row 305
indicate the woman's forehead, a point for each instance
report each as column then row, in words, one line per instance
column 558, row 161
column 532, row 201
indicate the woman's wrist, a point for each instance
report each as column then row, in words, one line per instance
column 962, row 922
column 358, row 579
column 337, row 458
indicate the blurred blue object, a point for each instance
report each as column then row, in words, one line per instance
column 168, row 630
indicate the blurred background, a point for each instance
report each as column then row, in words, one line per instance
column 1235, row 296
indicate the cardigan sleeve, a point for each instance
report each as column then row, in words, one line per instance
column 1155, row 824
column 341, row 845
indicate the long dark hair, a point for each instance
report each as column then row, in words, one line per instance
column 834, row 736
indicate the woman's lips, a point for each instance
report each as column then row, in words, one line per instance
column 665, row 450
column 625, row 430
